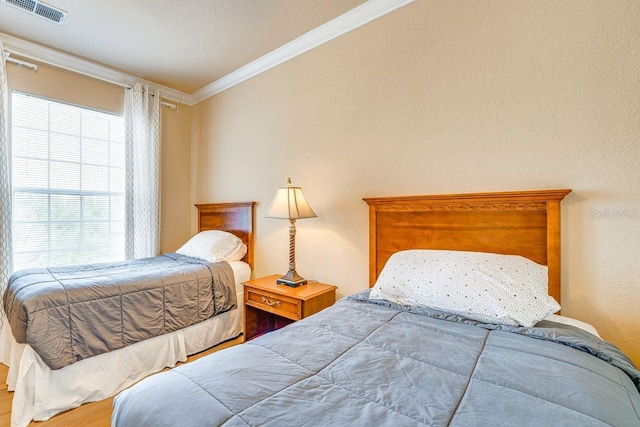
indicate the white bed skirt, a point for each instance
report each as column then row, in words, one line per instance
column 40, row 392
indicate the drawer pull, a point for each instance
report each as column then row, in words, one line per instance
column 271, row 303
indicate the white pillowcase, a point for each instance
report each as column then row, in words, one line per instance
column 214, row 246
column 489, row 288
column 237, row 255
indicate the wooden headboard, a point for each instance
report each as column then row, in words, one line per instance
column 525, row 223
column 236, row 218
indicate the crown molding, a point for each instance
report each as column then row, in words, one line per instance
column 36, row 52
column 344, row 23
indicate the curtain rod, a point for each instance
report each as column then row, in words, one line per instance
column 22, row 64
column 19, row 63
column 163, row 103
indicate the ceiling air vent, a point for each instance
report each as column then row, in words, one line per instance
column 40, row 9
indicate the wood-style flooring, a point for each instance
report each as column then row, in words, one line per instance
column 94, row 414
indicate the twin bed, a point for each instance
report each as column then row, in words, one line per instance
column 106, row 334
column 370, row 360
column 388, row 355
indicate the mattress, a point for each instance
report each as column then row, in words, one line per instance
column 41, row 392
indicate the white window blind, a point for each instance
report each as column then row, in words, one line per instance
column 68, row 183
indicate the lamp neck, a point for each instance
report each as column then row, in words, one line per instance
column 292, row 244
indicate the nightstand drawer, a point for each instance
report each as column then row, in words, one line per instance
column 281, row 305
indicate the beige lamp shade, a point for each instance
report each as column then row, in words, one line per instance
column 289, row 203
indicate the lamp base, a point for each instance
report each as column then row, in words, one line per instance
column 292, row 279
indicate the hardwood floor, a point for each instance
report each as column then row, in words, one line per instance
column 94, row 414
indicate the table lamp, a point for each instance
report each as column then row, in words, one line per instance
column 290, row 204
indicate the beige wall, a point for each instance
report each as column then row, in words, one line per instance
column 176, row 153
column 175, row 226
column 443, row 97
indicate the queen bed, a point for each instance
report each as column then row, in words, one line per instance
column 402, row 353
column 46, row 382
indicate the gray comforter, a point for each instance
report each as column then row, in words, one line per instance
column 70, row 313
column 365, row 364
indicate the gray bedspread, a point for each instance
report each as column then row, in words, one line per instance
column 71, row 313
column 364, row 364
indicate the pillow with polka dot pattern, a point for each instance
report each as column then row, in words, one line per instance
column 490, row 288
column 212, row 246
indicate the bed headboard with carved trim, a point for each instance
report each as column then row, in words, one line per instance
column 236, row 218
column 525, row 223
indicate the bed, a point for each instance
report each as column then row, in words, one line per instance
column 371, row 361
column 42, row 391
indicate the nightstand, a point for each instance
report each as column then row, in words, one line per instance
column 269, row 306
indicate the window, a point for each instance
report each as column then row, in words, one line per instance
column 68, row 183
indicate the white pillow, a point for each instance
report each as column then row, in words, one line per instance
column 237, row 255
column 213, row 246
column 489, row 288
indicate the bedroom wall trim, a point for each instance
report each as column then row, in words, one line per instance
column 344, row 23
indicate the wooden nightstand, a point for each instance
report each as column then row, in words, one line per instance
column 268, row 306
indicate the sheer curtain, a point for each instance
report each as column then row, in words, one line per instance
column 6, row 247
column 142, row 147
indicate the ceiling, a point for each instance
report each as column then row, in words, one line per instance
column 184, row 45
